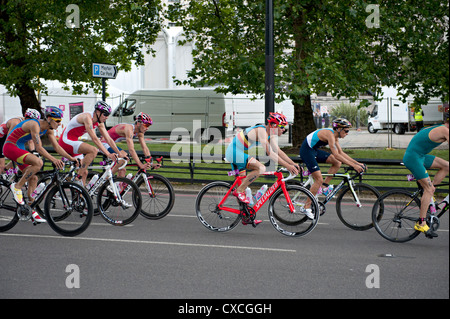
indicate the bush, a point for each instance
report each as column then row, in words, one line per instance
column 350, row 113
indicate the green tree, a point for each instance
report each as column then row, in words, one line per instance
column 52, row 40
column 343, row 47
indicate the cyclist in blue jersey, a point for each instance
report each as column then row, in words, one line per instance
column 311, row 155
column 417, row 160
column 237, row 151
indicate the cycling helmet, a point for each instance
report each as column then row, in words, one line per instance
column 53, row 111
column 144, row 118
column 341, row 123
column 104, row 107
column 32, row 114
column 277, row 118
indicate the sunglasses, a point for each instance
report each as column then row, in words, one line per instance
column 346, row 131
column 105, row 113
column 282, row 126
column 57, row 120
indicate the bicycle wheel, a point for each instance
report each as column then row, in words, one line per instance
column 68, row 213
column 394, row 215
column 354, row 216
column 206, row 207
column 295, row 223
column 114, row 211
column 8, row 207
column 157, row 201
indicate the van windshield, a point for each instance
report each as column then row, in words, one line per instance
column 126, row 108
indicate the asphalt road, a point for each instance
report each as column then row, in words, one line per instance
column 178, row 258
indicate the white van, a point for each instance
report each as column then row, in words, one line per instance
column 176, row 112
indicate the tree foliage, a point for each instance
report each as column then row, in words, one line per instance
column 42, row 39
column 320, row 46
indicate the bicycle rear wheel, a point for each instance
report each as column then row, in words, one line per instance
column 8, row 207
column 112, row 210
column 159, row 200
column 206, row 207
column 68, row 213
column 352, row 216
column 295, row 223
column 394, row 215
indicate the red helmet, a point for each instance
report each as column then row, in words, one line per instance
column 277, row 118
column 144, row 118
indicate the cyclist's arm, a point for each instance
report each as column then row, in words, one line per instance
column 57, row 147
column 128, row 130
column 143, row 144
column 35, row 137
column 90, row 130
column 276, row 154
column 337, row 151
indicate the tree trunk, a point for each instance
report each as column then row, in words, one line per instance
column 27, row 97
column 303, row 122
column 303, row 114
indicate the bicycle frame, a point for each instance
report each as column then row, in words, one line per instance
column 346, row 179
column 107, row 175
column 280, row 182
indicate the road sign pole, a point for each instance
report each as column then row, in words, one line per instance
column 104, row 89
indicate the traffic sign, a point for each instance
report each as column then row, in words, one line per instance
column 103, row 70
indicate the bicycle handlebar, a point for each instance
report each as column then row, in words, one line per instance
column 289, row 177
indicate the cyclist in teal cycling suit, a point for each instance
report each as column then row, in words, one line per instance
column 417, row 160
column 236, row 152
column 311, row 155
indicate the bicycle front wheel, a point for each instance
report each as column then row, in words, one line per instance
column 352, row 215
column 208, row 212
column 394, row 215
column 8, row 207
column 68, row 209
column 295, row 223
column 158, row 197
column 119, row 211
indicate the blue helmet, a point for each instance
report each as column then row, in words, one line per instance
column 53, row 111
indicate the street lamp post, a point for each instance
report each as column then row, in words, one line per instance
column 270, row 64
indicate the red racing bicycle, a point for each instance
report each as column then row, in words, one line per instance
column 220, row 211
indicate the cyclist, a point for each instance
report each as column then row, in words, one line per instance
column 417, row 160
column 87, row 122
column 29, row 163
column 126, row 132
column 7, row 125
column 237, row 152
column 311, row 155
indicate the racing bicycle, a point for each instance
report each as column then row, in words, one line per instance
column 158, row 195
column 68, row 207
column 220, row 211
column 355, row 202
column 397, row 211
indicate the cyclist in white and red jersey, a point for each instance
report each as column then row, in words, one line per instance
column 127, row 132
column 86, row 123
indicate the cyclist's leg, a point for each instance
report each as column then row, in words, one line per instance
column 440, row 164
column 256, row 168
column 330, row 159
column 90, row 152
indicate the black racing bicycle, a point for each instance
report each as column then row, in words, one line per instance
column 68, row 207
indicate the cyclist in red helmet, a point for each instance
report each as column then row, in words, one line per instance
column 127, row 132
column 237, row 151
